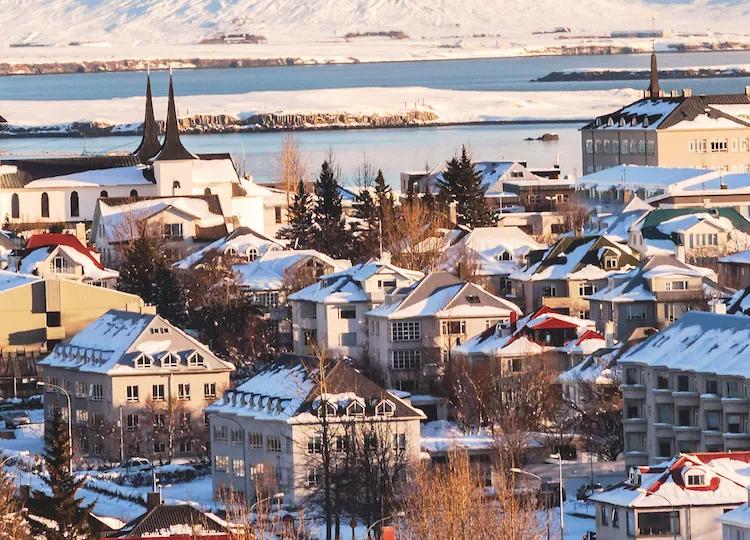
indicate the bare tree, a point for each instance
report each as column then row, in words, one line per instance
column 415, row 237
column 291, row 164
column 13, row 524
column 575, row 214
column 447, row 502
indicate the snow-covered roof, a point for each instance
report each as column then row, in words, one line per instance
column 269, row 272
column 490, row 248
column 726, row 478
column 116, row 176
column 11, row 280
column 90, row 270
column 640, row 176
column 698, row 341
column 594, row 369
column 242, row 242
column 441, row 294
column 112, row 343
column 347, row 286
column 741, row 257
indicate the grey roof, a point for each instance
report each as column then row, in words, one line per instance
column 28, row 169
column 165, row 517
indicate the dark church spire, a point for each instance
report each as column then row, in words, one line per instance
column 150, row 144
column 172, row 148
column 654, row 90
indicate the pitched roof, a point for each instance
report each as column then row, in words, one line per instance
column 150, row 145
column 667, row 223
column 28, row 169
column 241, row 240
column 269, row 272
column 56, row 239
column 3, row 120
column 172, row 148
column 170, row 519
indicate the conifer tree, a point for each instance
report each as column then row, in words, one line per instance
column 463, row 184
column 367, row 241
column 386, row 205
column 332, row 236
column 299, row 232
column 69, row 515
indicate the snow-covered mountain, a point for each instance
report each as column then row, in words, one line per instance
column 185, row 21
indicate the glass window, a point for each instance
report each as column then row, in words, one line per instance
column 658, row 523
column 713, row 420
column 45, row 205
column 221, row 463
column 347, row 313
column 157, row 392
column 132, row 393
column 74, row 207
column 405, row 331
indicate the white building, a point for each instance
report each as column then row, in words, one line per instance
column 268, row 429
column 330, row 315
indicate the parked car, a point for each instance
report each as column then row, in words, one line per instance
column 136, row 464
column 587, row 490
column 13, row 419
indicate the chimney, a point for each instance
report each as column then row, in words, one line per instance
column 452, row 213
column 385, row 257
column 513, row 321
column 153, row 499
column 679, row 253
column 747, row 90
column 717, row 306
column 579, row 232
column 81, row 233
column 687, row 92
column 609, row 334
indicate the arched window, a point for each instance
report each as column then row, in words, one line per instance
column 74, row 210
column 104, row 194
column 45, row 204
column 207, row 191
column 15, row 207
column 252, row 254
column 133, row 192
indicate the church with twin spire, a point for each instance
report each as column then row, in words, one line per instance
column 36, row 192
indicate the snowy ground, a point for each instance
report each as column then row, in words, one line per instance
column 451, row 106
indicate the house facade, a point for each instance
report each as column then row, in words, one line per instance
column 267, row 433
column 138, row 372
column 685, row 389
column 330, row 315
column 411, row 334
column 568, row 272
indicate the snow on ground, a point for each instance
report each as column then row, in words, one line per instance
column 451, row 106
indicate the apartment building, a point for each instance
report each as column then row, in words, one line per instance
column 655, row 294
column 675, row 130
column 685, row 389
column 137, row 384
column 329, row 315
column 412, row 332
column 267, row 432
column 568, row 272
column 688, row 497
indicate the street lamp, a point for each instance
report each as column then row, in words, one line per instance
column 671, row 507
column 558, row 457
column 70, row 419
column 381, row 520
column 516, row 470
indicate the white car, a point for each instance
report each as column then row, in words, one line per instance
column 136, row 464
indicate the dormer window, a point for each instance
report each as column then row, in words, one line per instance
column 696, row 479
column 60, row 265
column 610, row 262
column 143, row 361
column 170, row 360
column 504, row 256
column 385, row 408
column 196, row 360
column 230, row 251
column 326, row 408
column 355, row 408
column 252, row 254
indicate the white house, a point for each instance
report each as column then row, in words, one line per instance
column 330, row 314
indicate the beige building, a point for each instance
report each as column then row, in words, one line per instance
column 330, row 315
column 138, row 387
column 266, row 434
column 685, row 389
column 568, row 272
column 675, row 130
column 37, row 313
column 685, row 498
column 412, row 332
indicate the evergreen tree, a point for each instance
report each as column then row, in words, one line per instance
column 463, row 184
column 146, row 271
column 299, row 232
column 332, row 236
column 70, row 516
column 386, row 206
column 367, row 231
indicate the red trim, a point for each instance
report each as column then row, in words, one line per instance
column 42, row 240
column 589, row 334
column 551, row 323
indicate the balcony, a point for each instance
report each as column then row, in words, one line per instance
column 734, row 405
column 307, row 324
column 684, row 296
column 633, row 391
column 691, row 399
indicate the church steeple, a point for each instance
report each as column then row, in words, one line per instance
column 654, row 90
column 150, row 144
column 172, row 148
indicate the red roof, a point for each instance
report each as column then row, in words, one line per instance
column 42, row 240
column 589, row 334
column 552, row 322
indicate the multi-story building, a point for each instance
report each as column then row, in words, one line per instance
column 64, row 256
column 330, row 315
column 654, row 295
column 687, row 498
column 137, row 384
column 412, row 332
column 675, row 130
column 685, row 389
column 267, row 433
column 568, row 272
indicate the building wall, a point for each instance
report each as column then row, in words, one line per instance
column 24, row 324
column 602, row 149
